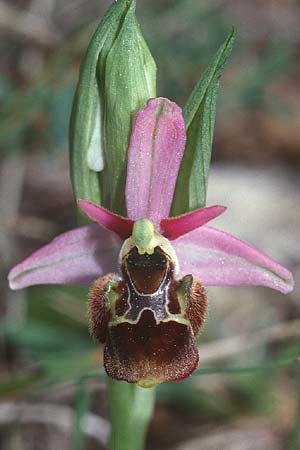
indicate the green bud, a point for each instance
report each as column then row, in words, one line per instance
column 85, row 137
column 130, row 80
column 199, row 115
column 117, row 77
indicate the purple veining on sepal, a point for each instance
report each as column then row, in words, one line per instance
column 219, row 259
column 76, row 257
column 155, row 152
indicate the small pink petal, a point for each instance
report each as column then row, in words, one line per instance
column 75, row 257
column 174, row 227
column 219, row 259
column 156, row 148
column 113, row 222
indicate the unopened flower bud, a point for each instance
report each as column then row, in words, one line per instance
column 117, row 77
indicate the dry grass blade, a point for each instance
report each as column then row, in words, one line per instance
column 58, row 416
column 226, row 348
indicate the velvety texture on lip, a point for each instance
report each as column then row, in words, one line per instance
column 155, row 152
column 149, row 327
column 149, row 351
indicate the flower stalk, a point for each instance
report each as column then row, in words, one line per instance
column 131, row 409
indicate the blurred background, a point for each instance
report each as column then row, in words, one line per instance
column 246, row 395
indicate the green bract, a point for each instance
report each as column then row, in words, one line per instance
column 199, row 115
column 130, row 80
column 117, row 77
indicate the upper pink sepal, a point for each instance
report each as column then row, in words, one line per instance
column 219, row 259
column 113, row 222
column 155, row 152
column 76, row 257
column 173, row 227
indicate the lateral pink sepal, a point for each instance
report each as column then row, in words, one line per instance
column 76, row 257
column 219, row 259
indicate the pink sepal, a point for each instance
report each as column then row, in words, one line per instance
column 175, row 227
column 219, row 259
column 113, row 222
column 76, row 257
column 155, row 152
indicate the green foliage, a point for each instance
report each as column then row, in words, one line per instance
column 294, row 441
column 54, row 341
column 130, row 80
column 188, row 396
column 199, row 114
column 81, row 406
column 117, row 77
column 131, row 408
column 251, row 90
column 86, row 108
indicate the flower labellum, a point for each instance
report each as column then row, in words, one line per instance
column 147, row 318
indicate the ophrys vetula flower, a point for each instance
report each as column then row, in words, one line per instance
column 150, row 304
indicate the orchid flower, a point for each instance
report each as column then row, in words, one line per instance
column 149, row 303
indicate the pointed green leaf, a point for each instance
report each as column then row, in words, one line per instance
column 81, row 408
column 199, row 115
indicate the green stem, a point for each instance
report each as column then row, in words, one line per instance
column 81, row 407
column 131, row 409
